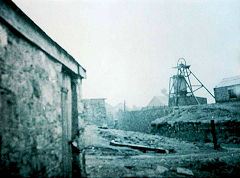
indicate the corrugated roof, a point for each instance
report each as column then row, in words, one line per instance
column 229, row 81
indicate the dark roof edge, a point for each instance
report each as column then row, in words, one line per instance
column 226, row 86
column 24, row 25
column 87, row 99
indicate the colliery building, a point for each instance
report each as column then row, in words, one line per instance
column 94, row 111
column 181, row 90
column 228, row 90
column 40, row 93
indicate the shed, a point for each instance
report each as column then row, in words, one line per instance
column 228, row 90
column 40, row 97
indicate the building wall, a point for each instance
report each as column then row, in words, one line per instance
column 140, row 121
column 227, row 132
column 94, row 111
column 222, row 94
column 186, row 101
column 36, row 109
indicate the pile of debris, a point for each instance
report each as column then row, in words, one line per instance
column 193, row 123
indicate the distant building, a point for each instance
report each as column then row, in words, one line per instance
column 158, row 101
column 94, row 111
column 228, row 90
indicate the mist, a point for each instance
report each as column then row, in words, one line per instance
column 129, row 47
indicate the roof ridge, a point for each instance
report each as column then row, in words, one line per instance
column 234, row 77
column 230, row 81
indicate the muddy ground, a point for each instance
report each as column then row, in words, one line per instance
column 188, row 159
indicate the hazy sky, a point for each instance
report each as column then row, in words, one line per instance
column 129, row 46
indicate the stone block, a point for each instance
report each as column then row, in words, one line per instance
column 161, row 169
column 184, row 171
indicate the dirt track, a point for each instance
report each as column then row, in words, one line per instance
column 207, row 164
column 104, row 160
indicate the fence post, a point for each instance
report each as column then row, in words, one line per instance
column 0, row 150
column 216, row 146
column 83, row 164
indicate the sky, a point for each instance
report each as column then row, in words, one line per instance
column 129, row 47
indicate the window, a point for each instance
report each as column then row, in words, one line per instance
column 231, row 93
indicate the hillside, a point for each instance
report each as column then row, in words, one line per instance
column 202, row 113
column 193, row 123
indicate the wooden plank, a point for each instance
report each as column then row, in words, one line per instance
column 141, row 147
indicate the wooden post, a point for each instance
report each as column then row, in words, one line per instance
column 0, row 150
column 76, row 167
column 82, row 163
column 124, row 106
column 216, row 146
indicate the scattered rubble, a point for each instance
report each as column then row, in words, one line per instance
column 148, row 140
column 161, row 169
column 202, row 113
column 184, row 171
column 188, row 158
column 193, row 123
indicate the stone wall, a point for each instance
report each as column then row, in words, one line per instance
column 222, row 95
column 227, row 132
column 187, row 100
column 140, row 121
column 94, row 111
column 31, row 103
column 193, row 123
column 39, row 104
